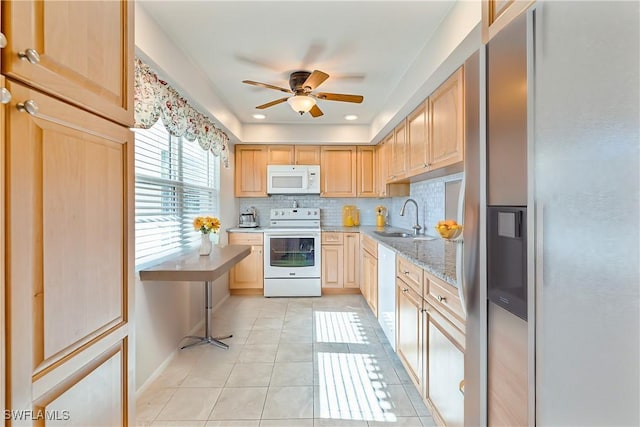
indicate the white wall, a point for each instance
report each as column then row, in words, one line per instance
column 587, row 210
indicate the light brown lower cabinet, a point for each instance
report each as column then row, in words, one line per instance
column 409, row 331
column 443, row 368
column 369, row 272
column 248, row 273
column 340, row 265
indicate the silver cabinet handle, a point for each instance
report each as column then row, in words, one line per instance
column 3, row 41
column 30, row 55
column 5, row 96
column 406, row 271
column 441, row 299
column 29, row 106
column 461, row 387
column 405, row 290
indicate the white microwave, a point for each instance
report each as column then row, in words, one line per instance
column 293, row 179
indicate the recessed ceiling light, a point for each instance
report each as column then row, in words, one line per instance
column 259, row 116
column 350, row 117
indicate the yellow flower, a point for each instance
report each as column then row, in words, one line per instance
column 206, row 224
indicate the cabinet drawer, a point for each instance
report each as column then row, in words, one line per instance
column 369, row 245
column 443, row 296
column 332, row 238
column 246, row 239
column 410, row 273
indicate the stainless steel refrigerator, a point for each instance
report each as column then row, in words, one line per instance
column 582, row 131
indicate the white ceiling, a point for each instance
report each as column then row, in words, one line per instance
column 367, row 48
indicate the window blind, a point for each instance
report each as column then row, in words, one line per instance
column 175, row 182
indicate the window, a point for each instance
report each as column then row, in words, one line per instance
column 176, row 181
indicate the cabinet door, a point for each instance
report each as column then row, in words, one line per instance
column 69, row 179
column 248, row 273
column 332, row 266
column 383, row 165
column 338, row 172
column 445, row 364
column 446, row 106
column 409, row 331
column 251, row 171
column 280, row 154
column 86, row 52
column 372, row 282
column 398, row 153
column 351, row 265
column 417, row 140
column 307, row 155
column 366, row 172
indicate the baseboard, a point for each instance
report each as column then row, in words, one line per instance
column 246, row 291
column 156, row 373
column 340, row 291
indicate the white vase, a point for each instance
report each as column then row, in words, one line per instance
column 205, row 244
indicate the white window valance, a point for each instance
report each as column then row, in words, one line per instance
column 155, row 99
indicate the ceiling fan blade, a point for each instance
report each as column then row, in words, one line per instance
column 272, row 103
column 315, row 79
column 316, row 111
column 267, row 86
column 340, row 97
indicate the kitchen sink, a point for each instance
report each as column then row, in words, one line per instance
column 403, row 234
column 393, row 233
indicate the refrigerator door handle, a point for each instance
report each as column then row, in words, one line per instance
column 460, row 250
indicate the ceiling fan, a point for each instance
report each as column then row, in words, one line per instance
column 302, row 84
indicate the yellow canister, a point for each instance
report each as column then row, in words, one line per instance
column 348, row 215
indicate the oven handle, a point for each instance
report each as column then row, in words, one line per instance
column 292, row 236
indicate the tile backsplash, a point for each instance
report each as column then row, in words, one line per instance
column 428, row 194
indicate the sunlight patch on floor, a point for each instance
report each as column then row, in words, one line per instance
column 350, row 388
column 339, row 327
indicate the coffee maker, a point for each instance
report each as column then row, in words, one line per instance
column 248, row 218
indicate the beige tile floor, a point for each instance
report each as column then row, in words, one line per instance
column 299, row 362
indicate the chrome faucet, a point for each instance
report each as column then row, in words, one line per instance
column 416, row 228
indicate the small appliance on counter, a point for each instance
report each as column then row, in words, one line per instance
column 350, row 216
column 248, row 218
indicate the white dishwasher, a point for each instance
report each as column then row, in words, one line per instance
column 387, row 292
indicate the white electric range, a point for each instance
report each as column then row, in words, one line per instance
column 292, row 253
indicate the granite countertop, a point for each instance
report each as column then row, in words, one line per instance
column 436, row 256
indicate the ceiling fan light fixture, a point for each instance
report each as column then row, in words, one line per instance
column 301, row 103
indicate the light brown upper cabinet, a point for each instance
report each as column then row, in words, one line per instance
column 397, row 166
column 338, row 171
column 384, row 189
column 496, row 14
column 293, row 154
column 280, row 154
column 418, row 140
column 251, row 171
column 65, row 51
column 367, row 168
column 307, row 155
column 446, row 108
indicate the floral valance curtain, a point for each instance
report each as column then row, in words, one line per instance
column 156, row 99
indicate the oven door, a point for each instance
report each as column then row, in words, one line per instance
column 291, row 254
